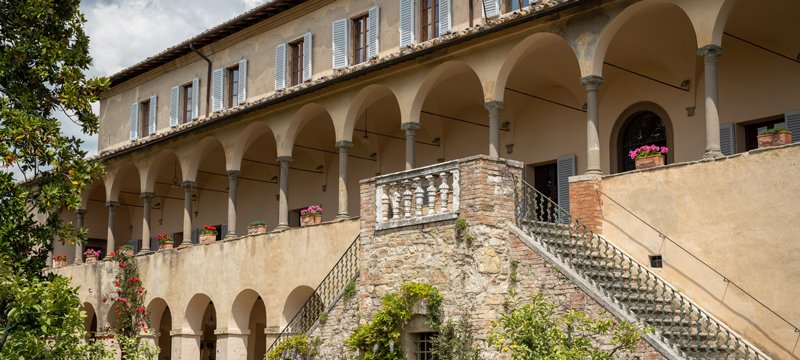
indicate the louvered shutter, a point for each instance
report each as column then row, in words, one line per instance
column 444, row 17
column 217, row 77
column 195, row 98
column 340, row 44
column 154, row 243
column 491, row 8
column 307, row 46
column 793, row 124
column 195, row 236
column 242, row 81
column 153, row 115
column 223, row 232
column 280, row 67
column 134, row 121
column 565, row 167
column 406, row 22
column 174, row 106
column 727, row 139
column 135, row 245
column 373, row 32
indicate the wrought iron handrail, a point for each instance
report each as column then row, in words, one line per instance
column 725, row 278
column 679, row 321
column 325, row 296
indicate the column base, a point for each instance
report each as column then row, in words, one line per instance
column 144, row 252
column 342, row 217
column 230, row 236
column 713, row 154
column 280, row 228
column 184, row 245
column 594, row 172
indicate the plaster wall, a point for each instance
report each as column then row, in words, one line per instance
column 737, row 215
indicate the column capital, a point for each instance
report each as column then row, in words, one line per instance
column 231, row 332
column 344, row 144
column 80, row 211
column 494, row 105
column 287, row 159
column 112, row 204
column 188, row 185
column 233, row 173
column 147, row 195
column 592, row 82
column 710, row 53
column 410, row 126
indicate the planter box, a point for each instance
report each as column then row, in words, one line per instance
column 91, row 259
column 317, row 219
column 649, row 161
column 207, row 239
column 256, row 229
column 165, row 246
column 781, row 138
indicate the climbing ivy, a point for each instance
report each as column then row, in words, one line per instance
column 298, row 347
column 380, row 338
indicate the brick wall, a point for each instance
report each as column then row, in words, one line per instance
column 585, row 203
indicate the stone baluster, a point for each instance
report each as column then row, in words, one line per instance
column 455, row 188
column 444, row 188
column 407, row 198
column 384, row 203
column 395, row 201
column 431, row 194
column 419, row 194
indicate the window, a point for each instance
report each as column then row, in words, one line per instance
column 144, row 118
column 187, row 104
column 359, row 37
column 642, row 128
column 233, row 86
column 296, row 62
column 514, row 5
column 751, row 131
column 429, row 20
column 423, row 346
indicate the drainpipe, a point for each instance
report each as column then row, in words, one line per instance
column 208, row 79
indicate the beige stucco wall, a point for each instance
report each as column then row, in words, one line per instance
column 736, row 214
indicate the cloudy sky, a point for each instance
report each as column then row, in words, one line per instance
column 125, row 32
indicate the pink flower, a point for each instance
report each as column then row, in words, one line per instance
column 664, row 150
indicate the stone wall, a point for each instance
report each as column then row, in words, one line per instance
column 472, row 276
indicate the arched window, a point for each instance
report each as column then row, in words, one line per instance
column 641, row 128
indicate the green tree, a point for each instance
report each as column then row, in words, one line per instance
column 536, row 330
column 43, row 56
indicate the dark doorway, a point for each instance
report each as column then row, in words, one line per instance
column 545, row 181
column 642, row 128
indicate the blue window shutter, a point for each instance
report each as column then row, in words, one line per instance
column 223, row 231
column 793, row 124
column 280, row 67
column 195, row 98
column 307, row 52
column 174, row 106
column 727, row 139
column 491, row 8
column 134, row 121
column 135, row 245
column 154, row 243
column 444, row 17
column 153, row 114
column 340, row 43
column 195, row 236
column 216, row 89
column 242, row 81
column 374, row 32
column 406, row 22
column 565, row 167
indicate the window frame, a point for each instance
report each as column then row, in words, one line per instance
column 295, row 62
column 185, row 102
column 423, row 345
column 362, row 20
column 232, row 86
column 508, row 4
column 144, row 118
column 424, row 35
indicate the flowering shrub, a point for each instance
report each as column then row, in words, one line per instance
column 59, row 258
column 209, row 230
column 311, row 211
column 648, row 150
column 164, row 239
column 91, row 252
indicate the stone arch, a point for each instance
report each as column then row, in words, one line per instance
column 90, row 322
column 194, row 312
column 161, row 324
column 358, row 104
column 300, row 118
column 246, row 138
column 197, row 153
column 441, row 72
column 529, row 44
column 156, row 309
column 294, row 303
column 152, row 170
column 625, row 116
column 121, row 176
column 242, row 305
column 245, row 312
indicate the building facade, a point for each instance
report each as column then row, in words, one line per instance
column 295, row 103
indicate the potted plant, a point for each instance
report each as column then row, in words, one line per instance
column 257, row 227
column 59, row 261
column 165, row 242
column 316, row 213
column 774, row 137
column 208, row 235
column 126, row 249
column 91, row 255
column 648, row 156
column 306, row 218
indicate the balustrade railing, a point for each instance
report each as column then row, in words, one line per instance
column 417, row 196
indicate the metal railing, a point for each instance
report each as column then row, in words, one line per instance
column 325, row 295
column 677, row 320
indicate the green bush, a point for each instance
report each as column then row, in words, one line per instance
column 299, row 345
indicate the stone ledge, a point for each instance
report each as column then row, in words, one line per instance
column 393, row 224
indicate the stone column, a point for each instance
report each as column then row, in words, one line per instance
column 185, row 344
column 79, row 214
column 411, row 143
column 494, row 107
column 592, row 84
column 188, row 190
column 711, row 54
column 150, row 339
column 233, row 176
column 283, row 202
column 111, row 241
column 343, row 146
column 147, row 198
column 232, row 343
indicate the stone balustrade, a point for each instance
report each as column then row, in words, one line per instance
column 417, row 196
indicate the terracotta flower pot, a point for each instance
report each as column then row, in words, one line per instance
column 781, row 138
column 91, row 259
column 207, row 239
column 306, row 220
column 256, row 229
column 649, row 161
column 59, row 263
column 165, row 246
column 317, row 218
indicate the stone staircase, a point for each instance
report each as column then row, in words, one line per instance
column 628, row 289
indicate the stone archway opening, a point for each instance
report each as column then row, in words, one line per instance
column 208, row 338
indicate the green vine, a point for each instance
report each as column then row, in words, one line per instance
column 462, row 231
column 380, row 338
column 295, row 347
column 349, row 290
column 512, row 276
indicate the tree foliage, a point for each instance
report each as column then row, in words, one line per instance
column 43, row 56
